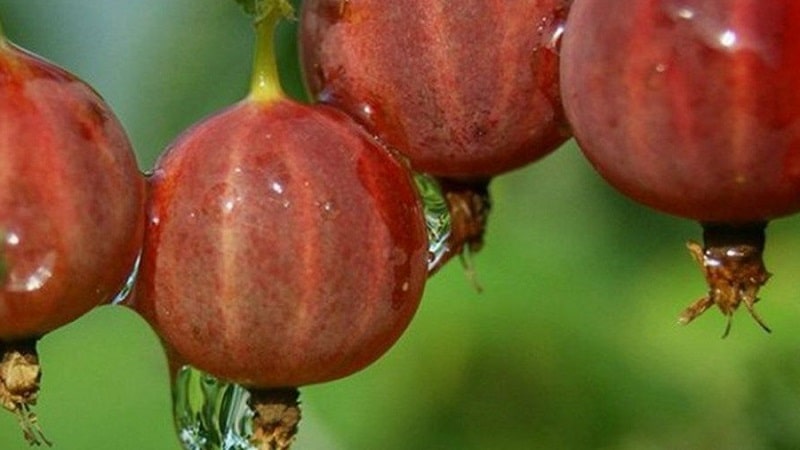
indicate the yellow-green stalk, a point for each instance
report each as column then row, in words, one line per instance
column 265, row 83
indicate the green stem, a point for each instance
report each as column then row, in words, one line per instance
column 2, row 34
column 265, row 83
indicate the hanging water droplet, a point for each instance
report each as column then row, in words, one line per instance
column 211, row 414
column 437, row 218
column 551, row 27
column 545, row 56
column 126, row 289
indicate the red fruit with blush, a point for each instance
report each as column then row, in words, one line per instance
column 692, row 107
column 285, row 247
column 71, row 213
column 464, row 89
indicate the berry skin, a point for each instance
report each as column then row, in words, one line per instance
column 690, row 107
column 284, row 246
column 71, row 197
column 465, row 89
column 71, row 215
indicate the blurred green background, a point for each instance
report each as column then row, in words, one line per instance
column 572, row 345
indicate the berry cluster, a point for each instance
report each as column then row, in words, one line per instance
column 277, row 244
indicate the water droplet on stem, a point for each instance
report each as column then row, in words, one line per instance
column 211, row 414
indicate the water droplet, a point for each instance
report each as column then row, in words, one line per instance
column 328, row 209
column 221, row 200
column 546, row 53
column 126, row 289
column 437, row 218
column 551, row 28
column 211, row 414
column 277, row 180
column 717, row 29
column 28, row 266
column 656, row 77
column 366, row 112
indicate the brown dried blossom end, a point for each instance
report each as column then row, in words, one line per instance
column 731, row 259
column 20, row 375
column 469, row 204
column 277, row 416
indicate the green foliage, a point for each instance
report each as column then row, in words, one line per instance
column 249, row 6
column 261, row 8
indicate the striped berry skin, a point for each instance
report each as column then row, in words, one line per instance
column 689, row 106
column 284, row 246
column 465, row 89
column 71, row 197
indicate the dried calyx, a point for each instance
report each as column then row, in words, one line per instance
column 19, row 386
column 469, row 204
column 277, row 415
column 731, row 258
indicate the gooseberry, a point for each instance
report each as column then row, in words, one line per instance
column 71, row 213
column 284, row 245
column 464, row 89
column 691, row 107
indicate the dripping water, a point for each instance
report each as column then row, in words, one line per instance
column 437, row 218
column 130, row 282
column 211, row 414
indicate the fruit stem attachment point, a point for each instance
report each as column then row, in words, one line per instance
column 265, row 84
column 731, row 259
column 277, row 415
column 469, row 204
column 19, row 386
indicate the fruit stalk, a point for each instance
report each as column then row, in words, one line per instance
column 265, row 84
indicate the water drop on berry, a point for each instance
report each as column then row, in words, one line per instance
column 29, row 265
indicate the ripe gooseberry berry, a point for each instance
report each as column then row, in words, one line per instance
column 464, row 89
column 691, row 107
column 71, row 213
column 285, row 246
